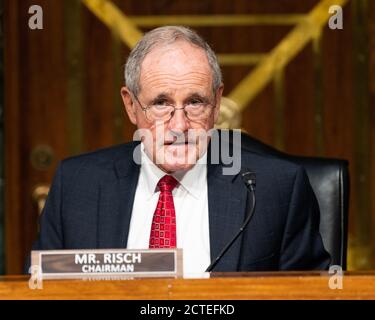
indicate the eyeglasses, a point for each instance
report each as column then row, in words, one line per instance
column 195, row 111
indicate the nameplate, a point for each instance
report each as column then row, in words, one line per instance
column 107, row 263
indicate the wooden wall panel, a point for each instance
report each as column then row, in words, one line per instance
column 35, row 108
column 299, row 111
column 12, row 223
column 372, row 114
column 2, row 195
column 98, row 108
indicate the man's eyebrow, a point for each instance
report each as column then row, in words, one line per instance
column 161, row 96
column 197, row 95
column 167, row 96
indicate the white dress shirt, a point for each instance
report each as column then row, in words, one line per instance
column 191, row 206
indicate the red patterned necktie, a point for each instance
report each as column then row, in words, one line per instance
column 163, row 229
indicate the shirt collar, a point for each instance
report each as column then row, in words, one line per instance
column 192, row 180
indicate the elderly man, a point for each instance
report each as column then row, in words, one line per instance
column 169, row 193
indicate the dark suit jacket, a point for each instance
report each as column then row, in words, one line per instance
column 91, row 199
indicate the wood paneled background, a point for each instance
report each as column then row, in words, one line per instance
column 62, row 97
column 2, row 267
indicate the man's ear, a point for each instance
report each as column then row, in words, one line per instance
column 219, row 93
column 130, row 107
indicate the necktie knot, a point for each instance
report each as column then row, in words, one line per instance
column 167, row 183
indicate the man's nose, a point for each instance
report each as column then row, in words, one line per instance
column 179, row 122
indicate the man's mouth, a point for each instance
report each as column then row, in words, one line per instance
column 178, row 143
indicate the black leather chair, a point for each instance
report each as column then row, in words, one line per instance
column 329, row 179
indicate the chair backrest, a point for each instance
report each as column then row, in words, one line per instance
column 329, row 179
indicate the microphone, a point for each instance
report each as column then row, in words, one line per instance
column 249, row 179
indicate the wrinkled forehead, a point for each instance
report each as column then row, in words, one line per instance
column 177, row 64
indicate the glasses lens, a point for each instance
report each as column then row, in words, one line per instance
column 194, row 112
column 159, row 112
column 198, row 112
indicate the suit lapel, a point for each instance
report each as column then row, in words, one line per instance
column 116, row 201
column 128, row 172
column 227, row 209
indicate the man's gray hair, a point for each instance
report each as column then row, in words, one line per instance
column 166, row 36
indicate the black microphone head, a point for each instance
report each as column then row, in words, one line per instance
column 249, row 178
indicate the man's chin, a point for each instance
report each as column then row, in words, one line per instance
column 173, row 158
column 173, row 167
column 173, row 163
